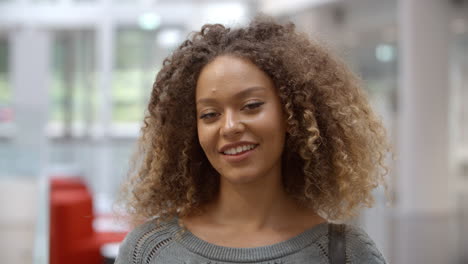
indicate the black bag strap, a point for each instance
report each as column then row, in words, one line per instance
column 336, row 244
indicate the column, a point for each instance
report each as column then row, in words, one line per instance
column 30, row 56
column 102, row 179
column 424, row 204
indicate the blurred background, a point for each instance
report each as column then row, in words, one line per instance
column 75, row 76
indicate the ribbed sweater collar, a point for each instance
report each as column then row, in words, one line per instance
column 219, row 253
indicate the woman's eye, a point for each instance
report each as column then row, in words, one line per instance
column 253, row 105
column 208, row 115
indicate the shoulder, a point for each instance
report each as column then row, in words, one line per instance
column 140, row 243
column 360, row 248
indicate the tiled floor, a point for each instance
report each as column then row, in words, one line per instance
column 17, row 220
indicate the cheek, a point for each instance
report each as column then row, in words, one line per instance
column 201, row 137
column 205, row 139
column 277, row 124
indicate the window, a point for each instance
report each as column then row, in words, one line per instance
column 73, row 94
column 138, row 58
column 459, row 81
column 6, row 111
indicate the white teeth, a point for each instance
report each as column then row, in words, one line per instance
column 233, row 151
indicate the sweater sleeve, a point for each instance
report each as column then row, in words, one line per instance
column 127, row 250
column 360, row 248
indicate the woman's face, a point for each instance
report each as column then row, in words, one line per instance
column 240, row 120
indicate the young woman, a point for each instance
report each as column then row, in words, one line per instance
column 253, row 140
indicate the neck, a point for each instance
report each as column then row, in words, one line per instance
column 253, row 206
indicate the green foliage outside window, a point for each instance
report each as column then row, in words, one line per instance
column 133, row 74
column 5, row 90
column 73, row 93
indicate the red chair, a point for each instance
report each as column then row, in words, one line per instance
column 67, row 183
column 72, row 237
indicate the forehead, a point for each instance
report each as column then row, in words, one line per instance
column 228, row 74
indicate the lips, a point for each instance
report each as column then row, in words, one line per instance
column 239, row 157
column 236, row 148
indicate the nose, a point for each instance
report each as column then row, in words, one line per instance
column 231, row 125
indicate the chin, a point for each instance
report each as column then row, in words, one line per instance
column 240, row 180
column 241, row 177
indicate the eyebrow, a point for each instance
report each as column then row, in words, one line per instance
column 240, row 94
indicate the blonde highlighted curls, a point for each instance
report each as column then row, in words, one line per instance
column 335, row 144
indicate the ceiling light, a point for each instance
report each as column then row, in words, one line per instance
column 149, row 21
column 385, row 53
column 169, row 37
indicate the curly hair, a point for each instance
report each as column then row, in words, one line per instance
column 335, row 145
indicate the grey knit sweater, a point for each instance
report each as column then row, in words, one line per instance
column 164, row 243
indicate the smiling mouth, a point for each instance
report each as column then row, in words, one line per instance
column 239, row 150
